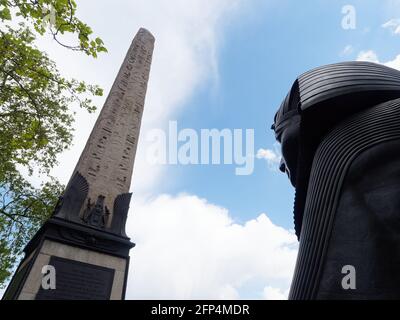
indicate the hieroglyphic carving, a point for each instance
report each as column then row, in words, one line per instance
column 108, row 157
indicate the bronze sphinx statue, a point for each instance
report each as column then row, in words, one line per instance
column 339, row 129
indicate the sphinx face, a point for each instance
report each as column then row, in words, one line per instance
column 289, row 146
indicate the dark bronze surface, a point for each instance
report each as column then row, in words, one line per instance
column 339, row 128
column 78, row 281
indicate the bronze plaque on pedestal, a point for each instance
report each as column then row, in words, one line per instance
column 78, row 281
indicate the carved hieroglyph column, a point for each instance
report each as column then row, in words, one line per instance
column 108, row 157
column 85, row 241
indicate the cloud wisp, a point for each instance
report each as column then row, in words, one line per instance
column 393, row 25
column 371, row 56
column 271, row 156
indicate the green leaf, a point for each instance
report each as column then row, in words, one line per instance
column 5, row 14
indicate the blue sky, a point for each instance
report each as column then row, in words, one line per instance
column 260, row 53
column 202, row 231
column 260, row 57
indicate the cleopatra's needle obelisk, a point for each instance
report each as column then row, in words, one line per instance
column 84, row 243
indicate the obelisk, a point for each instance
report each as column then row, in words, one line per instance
column 84, row 243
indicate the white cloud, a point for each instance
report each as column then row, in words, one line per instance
column 393, row 25
column 268, row 154
column 395, row 63
column 188, row 248
column 371, row 56
column 271, row 293
column 348, row 50
column 273, row 157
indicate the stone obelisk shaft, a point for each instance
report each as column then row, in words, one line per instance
column 85, row 239
column 108, row 157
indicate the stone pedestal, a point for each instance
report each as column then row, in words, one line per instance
column 89, row 264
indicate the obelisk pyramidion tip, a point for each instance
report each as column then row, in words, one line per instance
column 146, row 33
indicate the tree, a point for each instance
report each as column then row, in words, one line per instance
column 23, row 209
column 35, row 117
